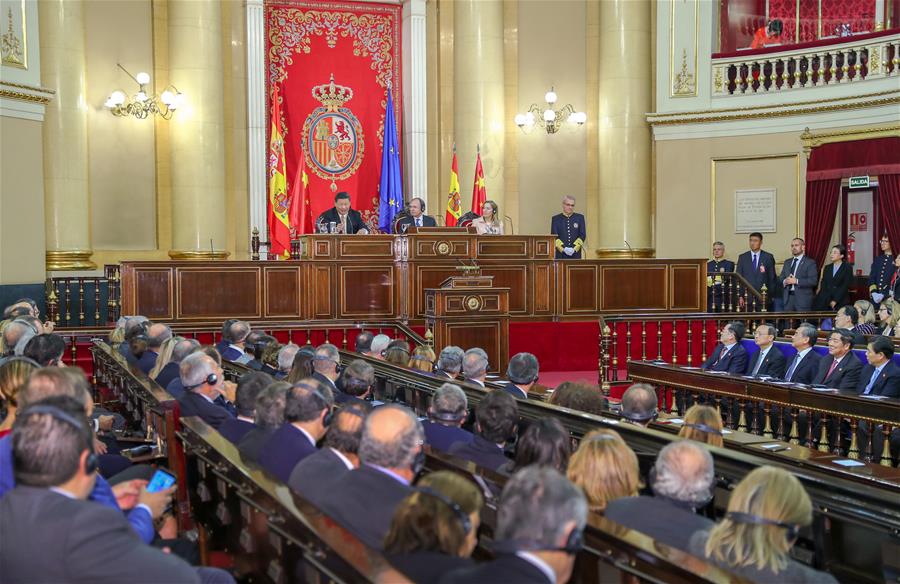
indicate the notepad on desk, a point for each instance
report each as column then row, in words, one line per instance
column 848, row 462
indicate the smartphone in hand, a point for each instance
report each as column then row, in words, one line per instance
column 160, row 481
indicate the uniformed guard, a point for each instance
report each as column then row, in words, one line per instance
column 569, row 229
column 715, row 280
column 881, row 272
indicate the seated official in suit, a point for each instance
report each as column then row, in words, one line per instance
column 157, row 334
column 46, row 350
column 682, row 482
column 356, row 384
column 754, row 540
column 489, row 222
column 496, row 417
column 522, row 373
column 307, row 413
column 569, row 228
column 847, row 317
column 236, row 336
column 604, row 468
column 341, row 218
column 56, row 469
column 268, row 418
column 204, row 383
column 223, row 342
column 313, row 476
column 390, row 456
column 416, row 217
column 769, row 360
column 451, row 506
column 540, row 522
column 639, row 404
column 449, row 362
column 804, row 366
column 837, row 276
column 841, row 370
column 475, row 366
column 135, row 326
column 729, row 355
column 446, row 415
column 183, row 347
column 799, row 277
column 286, row 360
column 880, row 376
column 248, row 388
column 545, row 442
column 326, row 363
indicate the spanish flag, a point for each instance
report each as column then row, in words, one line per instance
column 454, row 208
column 479, row 192
column 300, row 213
column 279, row 223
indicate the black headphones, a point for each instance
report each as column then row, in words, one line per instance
column 791, row 531
column 421, row 201
column 211, row 379
column 21, row 358
column 329, row 415
column 574, row 544
column 703, row 428
column 91, row 463
column 463, row 517
column 447, row 417
column 639, row 417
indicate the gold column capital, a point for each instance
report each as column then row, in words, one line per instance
column 624, row 253
column 199, row 255
column 69, row 259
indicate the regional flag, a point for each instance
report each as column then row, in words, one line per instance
column 479, row 192
column 300, row 213
column 279, row 223
column 454, row 207
column 391, row 186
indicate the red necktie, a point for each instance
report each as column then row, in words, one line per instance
column 834, row 364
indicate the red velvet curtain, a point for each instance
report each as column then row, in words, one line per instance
column 821, row 209
column 889, row 199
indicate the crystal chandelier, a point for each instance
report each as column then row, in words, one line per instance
column 142, row 105
column 549, row 118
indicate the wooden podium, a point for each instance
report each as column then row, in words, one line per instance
column 468, row 311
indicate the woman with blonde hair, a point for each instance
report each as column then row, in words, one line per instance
column 605, row 468
column 703, row 424
column 422, row 359
column 866, row 311
column 754, row 540
column 889, row 318
column 489, row 222
column 165, row 355
column 14, row 375
column 397, row 352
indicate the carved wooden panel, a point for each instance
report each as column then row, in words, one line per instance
column 153, row 293
column 580, row 286
column 322, row 305
column 542, row 288
column 514, row 277
column 282, row 292
column 686, row 294
column 366, row 291
column 502, row 247
column 543, row 248
column 352, row 247
column 633, row 285
column 441, row 247
column 467, row 334
column 218, row 293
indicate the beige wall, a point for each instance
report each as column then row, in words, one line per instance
column 21, row 202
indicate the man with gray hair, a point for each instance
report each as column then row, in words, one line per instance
column 157, row 334
column 203, row 382
column 170, row 372
column 379, row 345
column 12, row 333
column 134, row 326
column 325, row 364
column 475, row 366
column 390, row 455
column 446, row 415
column 639, row 404
column 236, row 334
column 286, row 360
column 805, row 364
column 540, row 522
column 569, row 228
column 449, row 363
column 522, row 373
column 682, row 480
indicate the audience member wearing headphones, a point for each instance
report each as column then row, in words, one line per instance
column 236, row 334
column 540, row 526
column 449, row 363
column 435, row 529
column 446, row 415
column 56, row 471
column 327, row 365
column 682, row 480
column 765, row 513
column 307, row 414
column 416, row 217
column 703, row 424
column 545, row 442
column 248, row 388
column 268, row 418
column 391, row 455
column 475, row 366
column 203, row 382
column 496, row 419
column 356, row 384
column 605, row 468
column 639, row 403
column 522, row 373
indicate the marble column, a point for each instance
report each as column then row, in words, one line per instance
column 197, row 130
column 415, row 118
column 478, row 100
column 625, row 206
column 256, row 113
column 67, row 202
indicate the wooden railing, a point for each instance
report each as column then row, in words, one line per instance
column 730, row 292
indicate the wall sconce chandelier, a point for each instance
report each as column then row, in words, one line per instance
column 549, row 118
column 142, row 105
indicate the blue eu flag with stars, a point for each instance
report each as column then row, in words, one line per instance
column 391, row 185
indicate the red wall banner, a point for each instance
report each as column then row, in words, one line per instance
column 333, row 63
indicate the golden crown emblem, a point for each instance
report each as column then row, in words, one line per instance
column 332, row 96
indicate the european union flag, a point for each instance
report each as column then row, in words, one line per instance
column 391, row 185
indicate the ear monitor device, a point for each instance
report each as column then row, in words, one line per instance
column 574, row 544
column 211, row 379
column 792, row 531
column 329, row 416
column 92, row 462
column 463, row 517
column 704, row 428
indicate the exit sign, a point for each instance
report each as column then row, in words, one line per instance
column 859, row 182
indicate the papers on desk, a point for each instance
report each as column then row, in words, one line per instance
column 727, row 431
column 782, row 382
column 690, row 368
column 875, row 397
column 717, row 372
column 774, row 447
column 848, row 462
column 660, row 362
column 825, row 389
column 675, row 421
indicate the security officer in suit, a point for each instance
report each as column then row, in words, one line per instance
column 416, row 217
column 800, row 277
column 346, row 220
column 758, row 266
column 881, row 272
column 716, row 299
column 569, row 229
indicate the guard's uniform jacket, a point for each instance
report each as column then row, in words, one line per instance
column 569, row 232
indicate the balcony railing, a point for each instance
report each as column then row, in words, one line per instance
column 816, row 66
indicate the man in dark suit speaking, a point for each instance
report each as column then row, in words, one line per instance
column 345, row 219
column 416, row 216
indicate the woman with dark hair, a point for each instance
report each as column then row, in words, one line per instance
column 303, row 365
column 545, row 443
column 834, row 290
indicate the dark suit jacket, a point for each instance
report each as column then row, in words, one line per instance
column 231, row 354
column 845, row 375
column 147, row 361
column 659, row 518
column 233, row 429
column 427, row 567
column 253, row 441
column 807, row 370
column 194, row 404
column 808, row 277
column 354, row 220
column 443, row 437
column 834, row 287
column 175, row 388
column 327, row 383
column 313, row 476
column 364, row 501
column 507, row 568
column 774, row 364
column 427, row 221
column 90, row 543
column 514, row 390
column 758, row 277
column 480, row 451
column 167, row 374
column 734, row 362
column 284, row 449
column 887, row 383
